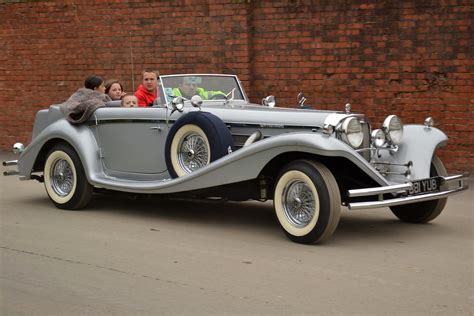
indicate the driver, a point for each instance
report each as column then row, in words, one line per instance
column 188, row 88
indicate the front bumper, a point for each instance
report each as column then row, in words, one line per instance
column 399, row 193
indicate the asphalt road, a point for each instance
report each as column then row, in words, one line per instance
column 128, row 257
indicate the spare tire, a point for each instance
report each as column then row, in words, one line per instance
column 195, row 140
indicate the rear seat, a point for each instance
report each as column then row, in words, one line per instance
column 111, row 104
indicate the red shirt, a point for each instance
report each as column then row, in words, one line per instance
column 144, row 96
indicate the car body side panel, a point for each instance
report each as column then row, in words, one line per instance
column 245, row 164
column 123, row 153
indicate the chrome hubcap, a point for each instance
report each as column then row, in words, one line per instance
column 62, row 177
column 299, row 203
column 193, row 153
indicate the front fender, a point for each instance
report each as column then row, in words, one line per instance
column 419, row 145
column 80, row 137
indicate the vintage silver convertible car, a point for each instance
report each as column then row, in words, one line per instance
column 217, row 145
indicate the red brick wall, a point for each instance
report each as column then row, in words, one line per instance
column 412, row 58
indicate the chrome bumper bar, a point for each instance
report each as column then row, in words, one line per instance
column 458, row 180
column 10, row 163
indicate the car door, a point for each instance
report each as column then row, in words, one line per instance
column 132, row 140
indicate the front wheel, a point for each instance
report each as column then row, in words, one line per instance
column 423, row 212
column 307, row 201
column 65, row 180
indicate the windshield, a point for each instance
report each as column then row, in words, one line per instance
column 208, row 87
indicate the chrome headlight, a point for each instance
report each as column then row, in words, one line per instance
column 351, row 132
column 177, row 104
column 393, row 129
column 378, row 138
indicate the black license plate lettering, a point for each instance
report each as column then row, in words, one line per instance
column 425, row 186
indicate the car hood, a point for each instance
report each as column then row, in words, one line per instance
column 271, row 116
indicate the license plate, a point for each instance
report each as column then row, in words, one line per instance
column 425, row 186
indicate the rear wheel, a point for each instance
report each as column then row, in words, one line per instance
column 65, row 180
column 423, row 212
column 307, row 201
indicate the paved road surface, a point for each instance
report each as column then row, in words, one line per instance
column 126, row 257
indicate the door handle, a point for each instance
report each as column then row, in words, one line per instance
column 156, row 128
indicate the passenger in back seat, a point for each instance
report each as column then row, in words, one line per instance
column 114, row 89
column 130, row 101
column 147, row 92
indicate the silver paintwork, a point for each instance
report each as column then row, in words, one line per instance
column 123, row 149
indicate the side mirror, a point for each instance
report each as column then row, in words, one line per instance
column 269, row 101
column 301, row 99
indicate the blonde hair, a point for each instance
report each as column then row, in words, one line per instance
column 156, row 72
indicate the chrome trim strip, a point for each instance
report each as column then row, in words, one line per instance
column 406, row 200
column 400, row 187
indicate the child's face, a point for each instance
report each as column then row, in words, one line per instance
column 115, row 92
column 130, row 102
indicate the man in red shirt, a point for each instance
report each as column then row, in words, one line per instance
column 147, row 92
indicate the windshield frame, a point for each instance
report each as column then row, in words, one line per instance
column 167, row 99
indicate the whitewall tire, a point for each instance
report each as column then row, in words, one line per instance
column 190, row 150
column 307, row 201
column 195, row 140
column 65, row 180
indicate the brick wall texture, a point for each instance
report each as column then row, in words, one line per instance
column 411, row 58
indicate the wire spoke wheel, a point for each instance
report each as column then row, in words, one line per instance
column 195, row 140
column 307, row 201
column 65, row 180
column 299, row 203
column 193, row 153
column 62, row 177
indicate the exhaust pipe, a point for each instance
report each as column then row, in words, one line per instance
column 10, row 173
column 10, row 163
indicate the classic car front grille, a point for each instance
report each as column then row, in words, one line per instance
column 366, row 141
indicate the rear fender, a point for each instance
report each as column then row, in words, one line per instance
column 80, row 137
